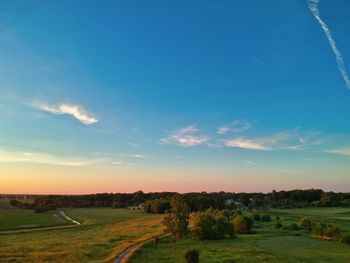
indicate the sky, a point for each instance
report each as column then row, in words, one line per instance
column 120, row 96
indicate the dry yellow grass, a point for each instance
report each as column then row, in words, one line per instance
column 102, row 236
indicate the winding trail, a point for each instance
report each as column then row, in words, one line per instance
column 68, row 218
column 127, row 253
column 121, row 258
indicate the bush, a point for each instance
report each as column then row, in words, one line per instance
column 256, row 217
column 294, row 226
column 304, row 222
column 328, row 232
column 277, row 218
column 237, row 213
column 265, row 218
column 192, row 256
column 157, row 206
column 208, row 225
column 278, row 225
column 44, row 208
column 156, row 241
column 346, row 240
column 243, row 224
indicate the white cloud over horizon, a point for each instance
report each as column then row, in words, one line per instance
column 185, row 137
column 76, row 111
column 9, row 156
column 341, row 151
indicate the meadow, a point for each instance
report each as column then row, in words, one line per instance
column 103, row 233
column 267, row 244
column 106, row 232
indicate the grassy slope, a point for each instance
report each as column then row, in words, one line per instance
column 267, row 245
column 104, row 233
column 12, row 219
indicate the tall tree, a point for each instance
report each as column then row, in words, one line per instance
column 176, row 222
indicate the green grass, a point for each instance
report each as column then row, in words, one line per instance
column 13, row 219
column 103, row 234
column 267, row 244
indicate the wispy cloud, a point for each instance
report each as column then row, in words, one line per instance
column 43, row 158
column 286, row 171
column 135, row 155
column 341, row 151
column 251, row 144
column 185, row 137
column 313, row 6
column 78, row 112
column 237, row 126
column 123, row 164
column 263, row 143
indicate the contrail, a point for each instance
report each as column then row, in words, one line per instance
column 313, row 6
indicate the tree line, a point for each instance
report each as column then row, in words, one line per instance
column 159, row 202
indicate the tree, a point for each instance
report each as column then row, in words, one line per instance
column 191, row 256
column 211, row 225
column 304, row 222
column 176, row 222
column 265, row 218
column 346, row 239
column 243, row 224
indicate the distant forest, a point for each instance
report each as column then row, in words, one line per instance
column 159, row 202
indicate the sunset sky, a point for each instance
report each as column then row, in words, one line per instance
column 120, row 96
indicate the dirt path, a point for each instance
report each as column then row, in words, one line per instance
column 68, row 218
column 121, row 258
column 35, row 229
column 125, row 255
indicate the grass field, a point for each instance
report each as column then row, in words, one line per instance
column 102, row 234
column 13, row 219
column 267, row 245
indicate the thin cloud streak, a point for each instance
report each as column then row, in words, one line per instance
column 341, row 151
column 78, row 112
column 185, row 137
column 313, row 6
column 136, row 155
column 289, row 171
column 247, row 144
column 42, row 158
column 237, row 126
column 269, row 143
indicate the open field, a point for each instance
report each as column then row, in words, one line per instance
column 13, row 219
column 103, row 234
column 266, row 245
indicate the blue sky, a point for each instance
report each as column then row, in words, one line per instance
column 185, row 95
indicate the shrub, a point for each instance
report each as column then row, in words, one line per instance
column 304, row 222
column 157, row 206
column 237, row 213
column 294, row 226
column 44, row 208
column 243, row 224
column 256, row 217
column 277, row 218
column 346, row 240
column 208, row 225
column 278, row 225
column 156, row 241
column 192, row 256
column 328, row 232
column 265, row 218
